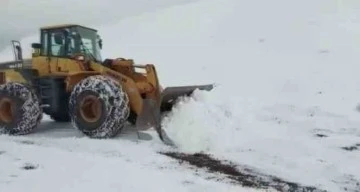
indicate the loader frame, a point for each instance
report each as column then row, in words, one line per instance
column 68, row 54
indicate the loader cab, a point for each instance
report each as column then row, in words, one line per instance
column 68, row 41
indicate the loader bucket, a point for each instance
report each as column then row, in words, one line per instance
column 151, row 112
column 151, row 117
column 170, row 94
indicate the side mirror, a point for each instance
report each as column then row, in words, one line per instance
column 99, row 40
column 100, row 43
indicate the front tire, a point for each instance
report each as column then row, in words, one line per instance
column 20, row 111
column 98, row 107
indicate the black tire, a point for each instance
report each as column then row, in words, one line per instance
column 113, row 103
column 132, row 118
column 20, row 111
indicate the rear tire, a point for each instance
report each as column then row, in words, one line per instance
column 98, row 107
column 20, row 111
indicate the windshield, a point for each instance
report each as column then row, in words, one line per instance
column 89, row 43
column 65, row 42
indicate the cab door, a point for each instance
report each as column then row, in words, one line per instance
column 62, row 49
column 41, row 62
column 57, row 50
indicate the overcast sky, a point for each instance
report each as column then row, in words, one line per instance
column 19, row 18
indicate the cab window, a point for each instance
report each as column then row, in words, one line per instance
column 57, row 41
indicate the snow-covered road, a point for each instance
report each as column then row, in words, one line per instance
column 58, row 158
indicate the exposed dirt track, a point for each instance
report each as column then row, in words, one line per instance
column 245, row 177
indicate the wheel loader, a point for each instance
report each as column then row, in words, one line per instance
column 67, row 79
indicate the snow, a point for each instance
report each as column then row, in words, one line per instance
column 279, row 139
column 285, row 101
column 71, row 164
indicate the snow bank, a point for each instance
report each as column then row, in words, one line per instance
column 206, row 122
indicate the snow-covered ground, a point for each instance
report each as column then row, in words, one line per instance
column 66, row 161
column 285, row 101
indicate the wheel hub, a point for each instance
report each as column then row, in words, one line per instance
column 90, row 108
column 7, row 107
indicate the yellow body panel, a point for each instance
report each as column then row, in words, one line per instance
column 13, row 76
column 41, row 64
column 128, row 84
column 46, row 65
column 134, row 84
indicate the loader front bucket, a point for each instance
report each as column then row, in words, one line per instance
column 170, row 94
column 151, row 117
column 151, row 112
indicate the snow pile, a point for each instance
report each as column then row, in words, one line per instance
column 205, row 122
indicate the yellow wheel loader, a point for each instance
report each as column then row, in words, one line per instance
column 67, row 79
